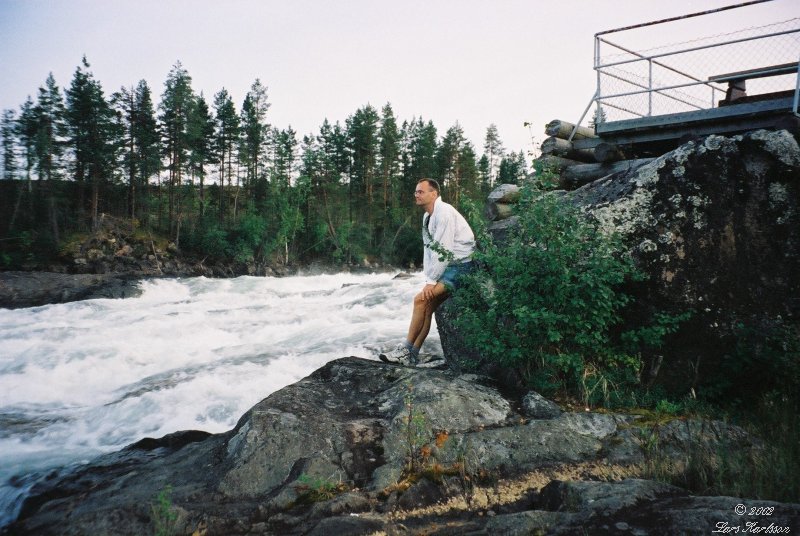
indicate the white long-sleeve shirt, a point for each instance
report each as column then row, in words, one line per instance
column 452, row 232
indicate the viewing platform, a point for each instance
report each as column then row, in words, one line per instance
column 684, row 85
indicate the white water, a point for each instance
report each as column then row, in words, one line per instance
column 84, row 378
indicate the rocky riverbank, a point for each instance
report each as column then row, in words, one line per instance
column 360, row 447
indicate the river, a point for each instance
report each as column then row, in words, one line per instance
column 85, row 378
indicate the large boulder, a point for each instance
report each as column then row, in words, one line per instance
column 715, row 225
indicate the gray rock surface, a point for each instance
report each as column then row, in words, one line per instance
column 32, row 289
column 327, row 456
column 536, row 406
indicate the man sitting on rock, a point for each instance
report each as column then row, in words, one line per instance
column 448, row 246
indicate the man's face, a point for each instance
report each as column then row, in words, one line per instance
column 424, row 194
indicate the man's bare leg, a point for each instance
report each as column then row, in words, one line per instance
column 422, row 314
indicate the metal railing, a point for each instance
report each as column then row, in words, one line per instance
column 679, row 77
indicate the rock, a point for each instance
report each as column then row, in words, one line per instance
column 715, row 224
column 536, row 406
column 124, row 251
column 94, row 255
column 345, row 432
column 32, row 289
column 645, row 507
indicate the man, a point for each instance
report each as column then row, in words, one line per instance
column 448, row 247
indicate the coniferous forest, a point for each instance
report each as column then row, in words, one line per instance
column 217, row 180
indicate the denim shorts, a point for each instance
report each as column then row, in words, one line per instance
column 452, row 278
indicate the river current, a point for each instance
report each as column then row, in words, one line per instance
column 84, row 378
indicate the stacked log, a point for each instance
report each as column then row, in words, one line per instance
column 581, row 159
column 563, row 129
column 561, row 147
column 580, row 174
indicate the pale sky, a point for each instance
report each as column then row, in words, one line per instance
column 475, row 62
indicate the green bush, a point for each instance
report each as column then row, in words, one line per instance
column 548, row 299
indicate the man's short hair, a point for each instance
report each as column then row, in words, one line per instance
column 433, row 184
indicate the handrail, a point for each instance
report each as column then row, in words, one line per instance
column 693, row 49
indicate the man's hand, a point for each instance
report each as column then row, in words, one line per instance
column 427, row 291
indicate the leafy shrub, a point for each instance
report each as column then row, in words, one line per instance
column 547, row 300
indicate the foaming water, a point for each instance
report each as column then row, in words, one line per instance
column 84, row 378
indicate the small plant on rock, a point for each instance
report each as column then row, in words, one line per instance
column 312, row 489
column 164, row 516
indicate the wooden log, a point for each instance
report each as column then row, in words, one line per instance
column 576, row 176
column 552, row 163
column 608, row 152
column 563, row 129
column 505, row 193
column 495, row 210
column 559, row 147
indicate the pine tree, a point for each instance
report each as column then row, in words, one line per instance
column 94, row 135
column 49, row 145
column 493, row 149
column 176, row 104
column 201, row 144
column 50, row 130
column 141, row 158
column 484, row 173
column 254, row 133
column 9, row 128
column 227, row 133
column 147, row 143
column 362, row 138
column 388, row 156
column 598, row 117
column 450, row 162
column 8, row 133
column 421, row 154
column 26, row 134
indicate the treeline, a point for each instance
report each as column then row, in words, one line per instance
column 223, row 182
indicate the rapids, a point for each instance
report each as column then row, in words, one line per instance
column 84, row 378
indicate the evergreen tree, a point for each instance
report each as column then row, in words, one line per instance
column 8, row 133
column 470, row 177
column 50, row 130
column 26, row 134
column 449, row 158
column 94, row 136
column 284, row 202
column 598, row 117
column 284, row 151
column 177, row 102
column 484, row 174
column 141, row 158
column 49, row 146
column 201, row 144
column 254, row 132
column 513, row 169
column 227, row 133
column 493, row 149
column 421, row 149
column 146, row 141
column 362, row 137
column 388, row 156
column 9, row 127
